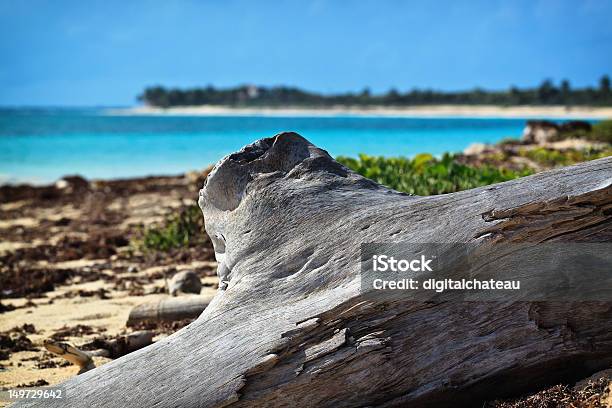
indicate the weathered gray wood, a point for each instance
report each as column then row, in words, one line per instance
column 169, row 309
column 292, row 328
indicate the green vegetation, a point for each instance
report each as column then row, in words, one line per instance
column 549, row 158
column 249, row 95
column 426, row 175
column 601, row 132
column 181, row 230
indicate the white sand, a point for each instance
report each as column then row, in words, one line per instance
column 437, row 111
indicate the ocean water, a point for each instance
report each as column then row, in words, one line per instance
column 40, row 146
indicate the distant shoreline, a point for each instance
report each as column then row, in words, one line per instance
column 426, row 111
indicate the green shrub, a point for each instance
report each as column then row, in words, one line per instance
column 602, row 132
column 509, row 141
column 545, row 157
column 555, row 158
column 426, row 175
column 181, row 230
column 573, row 134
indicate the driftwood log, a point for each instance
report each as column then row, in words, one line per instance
column 292, row 328
column 169, row 309
column 113, row 348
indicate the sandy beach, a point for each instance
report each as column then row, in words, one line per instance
column 69, row 272
column 437, row 111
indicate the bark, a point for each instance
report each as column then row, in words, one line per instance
column 292, row 327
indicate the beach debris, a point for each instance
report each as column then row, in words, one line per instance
column 120, row 345
column 72, row 184
column 18, row 281
column 184, row 282
column 100, row 293
column 27, row 328
column 75, row 331
column 71, row 353
column 45, row 363
column 162, row 327
column 62, row 222
column 6, row 307
column 15, row 340
column 592, row 392
column 169, row 309
column 37, row 383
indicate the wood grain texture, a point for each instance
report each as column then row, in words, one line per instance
column 292, row 328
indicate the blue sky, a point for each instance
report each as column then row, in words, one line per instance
column 71, row 53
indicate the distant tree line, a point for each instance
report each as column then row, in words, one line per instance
column 249, row 95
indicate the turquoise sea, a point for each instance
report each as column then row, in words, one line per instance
column 41, row 145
